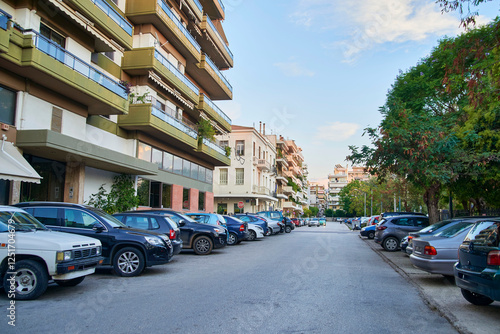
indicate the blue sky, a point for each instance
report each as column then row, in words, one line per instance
column 317, row 71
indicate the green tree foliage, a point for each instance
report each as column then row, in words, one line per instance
column 120, row 198
column 205, row 130
column 314, row 211
column 329, row 213
column 434, row 131
column 466, row 8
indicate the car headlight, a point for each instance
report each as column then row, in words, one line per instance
column 98, row 250
column 64, row 256
column 155, row 241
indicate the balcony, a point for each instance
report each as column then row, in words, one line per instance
column 281, row 195
column 105, row 16
column 288, row 190
column 141, row 61
column 214, row 8
column 164, row 125
column 291, row 205
column 261, row 190
column 214, row 44
column 264, row 165
column 214, row 112
column 34, row 57
column 212, row 80
column 158, row 13
column 212, row 152
column 194, row 7
column 282, row 161
column 4, row 31
column 281, row 179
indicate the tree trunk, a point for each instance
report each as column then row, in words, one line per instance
column 431, row 199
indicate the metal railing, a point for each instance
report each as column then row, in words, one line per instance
column 114, row 15
column 198, row 4
column 4, row 19
column 222, row 6
column 55, row 51
column 262, row 163
column 219, row 36
column 217, row 109
column 261, row 190
column 165, row 62
column 216, row 69
column 179, row 25
column 214, row 146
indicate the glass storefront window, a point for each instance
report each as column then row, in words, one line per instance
column 194, row 171
column 168, row 161
column 143, row 192
column 201, row 201
column 177, row 165
column 144, row 152
column 201, row 174
column 185, row 199
column 166, row 196
column 186, row 168
column 157, row 157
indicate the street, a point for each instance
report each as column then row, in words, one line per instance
column 313, row 280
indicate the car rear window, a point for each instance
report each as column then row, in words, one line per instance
column 484, row 234
column 454, row 229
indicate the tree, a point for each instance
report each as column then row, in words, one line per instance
column 314, row 211
column 466, row 9
column 120, row 198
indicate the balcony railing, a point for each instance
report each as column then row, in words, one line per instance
column 261, row 190
column 264, row 164
column 214, row 146
column 216, row 69
column 179, row 25
column 55, row 51
column 219, row 36
column 198, row 4
column 217, row 109
column 165, row 62
column 113, row 14
column 4, row 19
column 222, row 6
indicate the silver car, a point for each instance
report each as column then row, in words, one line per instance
column 390, row 231
column 313, row 222
column 438, row 253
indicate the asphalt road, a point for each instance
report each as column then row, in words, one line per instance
column 313, row 280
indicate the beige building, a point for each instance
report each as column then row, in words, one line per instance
column 339, row 179
column 249, row 183
column 92, row 89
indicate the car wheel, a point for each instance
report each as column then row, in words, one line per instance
column 128, row 262
column 371, row 235
column 269, row 231
column 252, row 235
column 476, row 298
column 202, row 245
column 29, row 280
column 390, row 244
column 70, row 282
column 288, row 229
column 232, row 239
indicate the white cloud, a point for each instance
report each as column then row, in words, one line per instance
column 293, row 69
column 368, row 23
column 337, row 131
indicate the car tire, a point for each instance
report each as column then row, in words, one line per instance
column 252, row 235
column 269, row 232
column 390, row 244
column 203, row 245
column 129, row 262
column 70, row 282
column 31, row 280
column 476, row 298
column 371, row 235
column 232, row 239
column 288, row 229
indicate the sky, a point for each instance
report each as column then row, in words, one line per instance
column 317, row 71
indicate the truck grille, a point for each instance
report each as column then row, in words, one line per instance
column 84, row 253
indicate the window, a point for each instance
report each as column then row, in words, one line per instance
column 240, row 176
column 143, row 192
column 240, row 147
column 168, row 161
column 50, row 34
column 110, row 54
column 185, row 199
column 223, row 143
column 222, row 208
column 186, row 168
column 78, row 219
column 177, row 165
column 223, row 176
column 209, row 176
column 202, row 174
column 137, row 222
column 404, row 222
column 201, row 201
column 46, row 216
column 254, row 149
column 157, row 157
column 8, row 106
column 144, row 152
column 194, row 170
column 166, row 196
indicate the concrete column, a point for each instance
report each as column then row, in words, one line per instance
column 193, row 200
column 74, row 183
column 177, row 197
column 209, row 202
column 15, row 192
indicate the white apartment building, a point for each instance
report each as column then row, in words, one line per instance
column 249, row 183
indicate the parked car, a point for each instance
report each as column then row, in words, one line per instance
column 296, row 221
column 322, row 222
column 477, row 272
column 128, row 250
column 275, row 217
column 201, row 238
column 288, row 225
column 368, row 231
column 208, row 218
column 393, row 214
column 238, row 230
column 41, row 255
column 159, row 223
column 391, row 230
column 438, row 253
column 255, row 232
column 313, row 222
column 254, row 219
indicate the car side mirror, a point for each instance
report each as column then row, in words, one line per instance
column 98, row 227
column 182, row 222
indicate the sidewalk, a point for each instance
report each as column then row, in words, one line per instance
column 442, row 295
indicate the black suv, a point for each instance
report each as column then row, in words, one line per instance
column 153, row 222
column 202, row 238
column 128, row 250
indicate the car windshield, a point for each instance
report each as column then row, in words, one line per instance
column 484, row 234
column 171, row 222
column 434, row 227
column 20, row 221
column 453, row 230
column 179, row 216
column 112, row 221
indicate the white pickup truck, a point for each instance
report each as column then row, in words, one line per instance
column 31, row 255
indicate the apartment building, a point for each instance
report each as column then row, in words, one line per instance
column 98, row 88
column 249, row 183
column 339, row 179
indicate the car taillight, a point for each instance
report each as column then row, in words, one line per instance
column 429, row 250
column 410, row 237
column 494, row 258
column 242, row 228
column 381, row 228
column 172, row 235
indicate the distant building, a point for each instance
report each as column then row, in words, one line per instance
column 339, row 179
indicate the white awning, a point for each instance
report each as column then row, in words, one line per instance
column 14, row 167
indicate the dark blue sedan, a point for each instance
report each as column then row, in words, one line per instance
column 238, row 230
